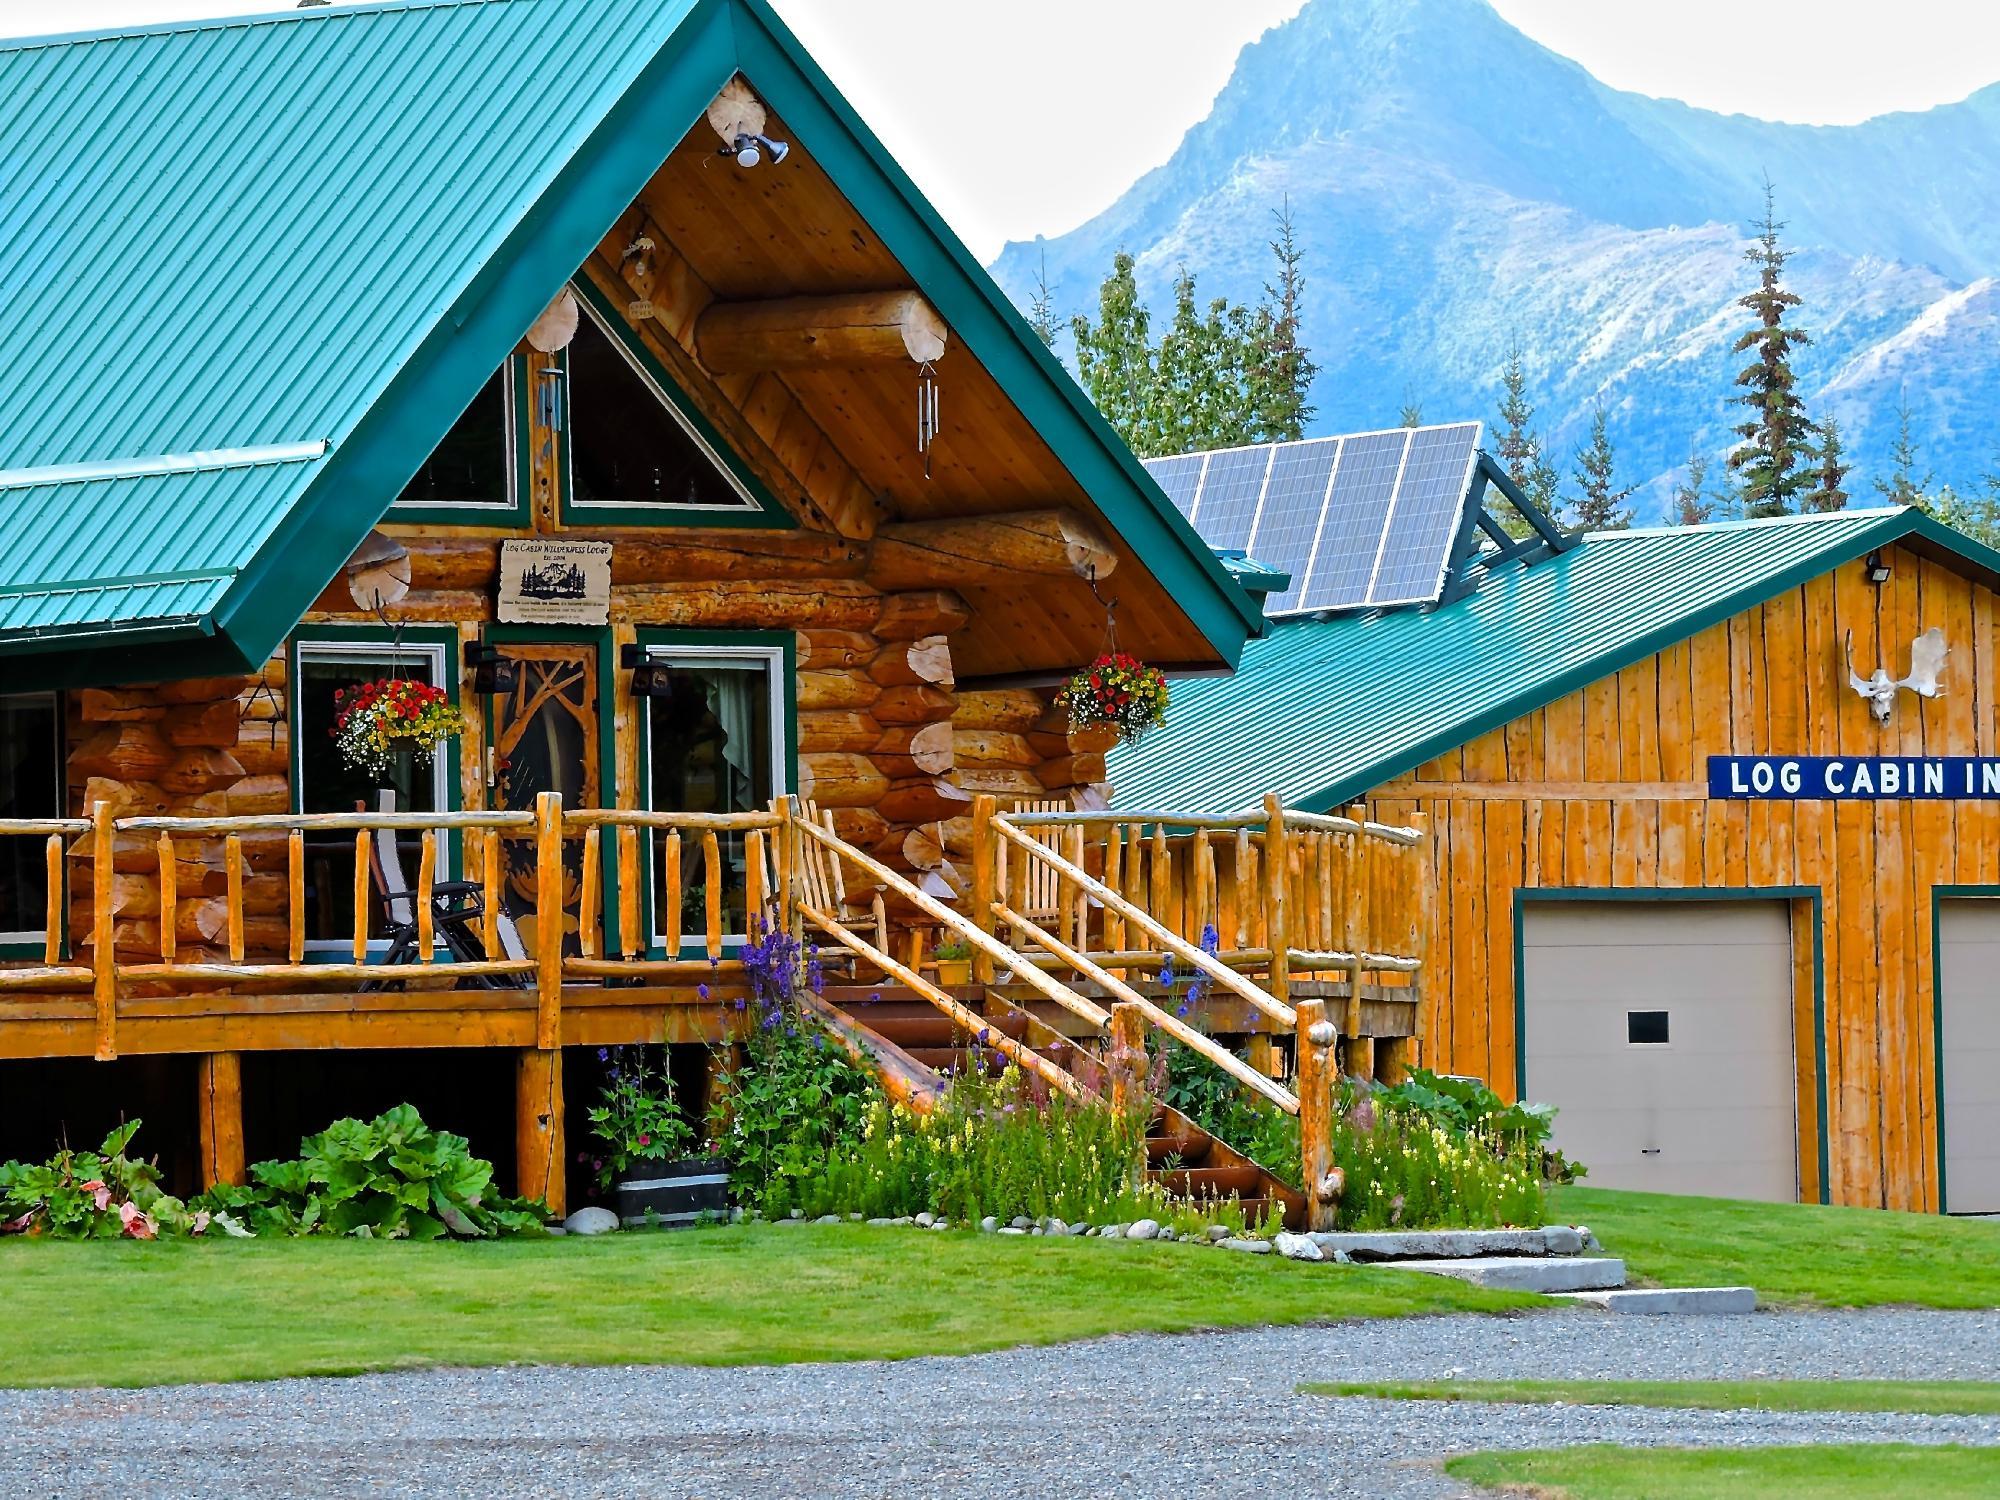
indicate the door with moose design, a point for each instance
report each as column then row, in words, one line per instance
column 545, row 739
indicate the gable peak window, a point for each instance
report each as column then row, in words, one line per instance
column 473, row 467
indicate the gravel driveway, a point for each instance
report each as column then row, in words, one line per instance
column 1206, row 1414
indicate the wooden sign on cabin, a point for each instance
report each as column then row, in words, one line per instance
column 545, row 581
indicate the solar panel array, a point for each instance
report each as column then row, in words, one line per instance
column 1360, row 522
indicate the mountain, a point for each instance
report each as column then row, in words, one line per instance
column 1456, row 185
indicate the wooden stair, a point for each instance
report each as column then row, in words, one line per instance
column 1182, row 1157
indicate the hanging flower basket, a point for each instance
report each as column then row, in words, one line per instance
column 1117, row 690
column 375, row 720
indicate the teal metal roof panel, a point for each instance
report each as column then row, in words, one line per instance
column 234, row 234
column 1332, row 707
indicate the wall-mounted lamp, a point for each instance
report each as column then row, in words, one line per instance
column 651, row 677
column 488, row 672
column 1878, row 568
column 749, row 150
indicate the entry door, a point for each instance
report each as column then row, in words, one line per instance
column 545, row 738
column 1662, row 1032
column 1969, row 998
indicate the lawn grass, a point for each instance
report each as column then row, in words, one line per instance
column 1975, row 1398
column 1794, row 1253
column 1838, row 1471
column 127, row 1313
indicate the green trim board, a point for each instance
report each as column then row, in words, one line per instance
column 1939, row 895
column 28, row 942
column 785, row 694
column 1526, row 896
column 760, row 508
column 519, row 509
column 1401, row 687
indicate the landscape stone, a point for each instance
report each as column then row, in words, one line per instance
column 591, row 1221
column 1298, row 1247
column 1452, row 1244
column 827, row 1219
column 1144, row 1229
column 1013, row 1229
column 1248, row 1247
column 988, row 1224
column 1022, row 1221
column 1527, row 1273
column 1659, row 1300
column 926, row 1218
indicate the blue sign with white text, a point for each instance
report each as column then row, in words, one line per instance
column 1836, row 778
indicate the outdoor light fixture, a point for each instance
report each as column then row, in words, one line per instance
column 488, row 671
column 1878, row 568
column 651, row 678
column 749, row 150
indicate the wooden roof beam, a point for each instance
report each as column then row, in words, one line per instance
column 989, row 549
column 789, row 333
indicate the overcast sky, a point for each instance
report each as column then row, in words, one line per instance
column 977, row 99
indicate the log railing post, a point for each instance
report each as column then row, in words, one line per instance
column 785, row 848
column 1315, row 1043
column 1277, row 875
column 1423, row 889
column 540, row 1163
column 1126, row 1057
column 219, row 1117
column 103, row 944
column 1358, row 938
column 985, row 874
column 52, row 913
column 548, row 920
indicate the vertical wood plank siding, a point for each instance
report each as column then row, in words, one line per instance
column 1606, row 789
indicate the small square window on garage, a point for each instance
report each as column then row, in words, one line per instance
column 1646, row 1028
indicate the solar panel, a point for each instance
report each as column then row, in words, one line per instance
column 1359, row 522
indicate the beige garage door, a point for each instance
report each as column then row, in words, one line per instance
column 1663, row 1033
column 1969, row 993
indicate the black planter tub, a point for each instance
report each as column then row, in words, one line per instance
column 674, row 1194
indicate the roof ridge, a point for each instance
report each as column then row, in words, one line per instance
column 1748, row 523
column 222, row 23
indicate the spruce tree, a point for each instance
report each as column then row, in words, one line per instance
column 1114, row 355
column 1042, row 307
column 1599, row 499
column 1201, row 396
column 1771, row 464
column 1520, row 446
column 1903, row 486
column 1412, row 414
column 1829, row 472
column 1281, row 369
column 1692, row 505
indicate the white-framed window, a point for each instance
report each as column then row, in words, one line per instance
column 716, row 741
column 31, row 786
column 327, row 670
column 476, row 468
column 630, row 444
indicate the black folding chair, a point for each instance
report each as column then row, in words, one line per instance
column 458, row 910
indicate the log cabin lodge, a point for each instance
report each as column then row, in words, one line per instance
column 590, row 361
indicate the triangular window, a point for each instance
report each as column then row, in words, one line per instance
column 474, row 467
column 630, row 446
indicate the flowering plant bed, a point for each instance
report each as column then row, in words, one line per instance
column 378, row 718
column 638, row 1121
column 1117, row 690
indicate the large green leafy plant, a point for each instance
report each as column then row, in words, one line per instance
column 392, row 1177
column 1467, row 1105
column 102, row 1194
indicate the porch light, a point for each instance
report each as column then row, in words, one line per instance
column 487, row 671
column 651, row 678
column 749, row 150
column 1878, row 568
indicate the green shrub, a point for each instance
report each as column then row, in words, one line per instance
column 392, row 1177
column 1232, row 1114
column 1403, row 1169
column 1468, row 1105
column 638, row 1117
column 99, row 1195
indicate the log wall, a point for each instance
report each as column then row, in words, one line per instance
column 1607, row 788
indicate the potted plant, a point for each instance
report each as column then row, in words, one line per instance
column 644, row 1137
column 372, row 723
column 1117, row 691
column 954, row 962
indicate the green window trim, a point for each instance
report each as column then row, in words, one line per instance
column 759, row 510
column 33, row 942
column 517, row 511
column 1525, row 896
column 781, row 646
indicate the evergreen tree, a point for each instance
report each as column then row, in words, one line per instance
column 1829, row 472
column 1281, row 368
column 1042, row 307
column 1520, row 446
column 1114, row 355
column 1598, row 502
column 1412, row 414
column 1692, row 505
column 1771, row 464
column 1201, row 394
column 1903, row 486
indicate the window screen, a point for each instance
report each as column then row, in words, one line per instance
column 30, row 787
column 627, row 447
column 473, row 465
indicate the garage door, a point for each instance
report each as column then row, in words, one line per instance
column 1662, row 1031
column 1969, row 993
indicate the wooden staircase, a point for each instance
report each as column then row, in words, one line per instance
column 896, row 1024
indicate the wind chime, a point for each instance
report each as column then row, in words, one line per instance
column 927, row 415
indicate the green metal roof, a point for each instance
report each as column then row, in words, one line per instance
column 225, row 238
column 1322, row 710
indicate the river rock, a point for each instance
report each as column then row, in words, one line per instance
column 1298, row 1247
column 591, row 1221
column 1145, row 1229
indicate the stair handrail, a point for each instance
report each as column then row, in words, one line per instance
column 1164, row 937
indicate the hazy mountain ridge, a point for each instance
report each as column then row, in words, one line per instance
column 1455, row 183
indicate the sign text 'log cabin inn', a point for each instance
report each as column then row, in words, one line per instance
column 1845, row 778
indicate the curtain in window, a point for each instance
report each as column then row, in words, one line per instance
column 734, row 698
